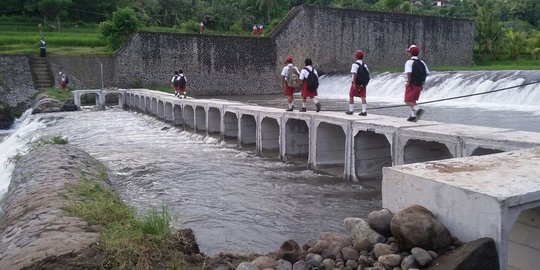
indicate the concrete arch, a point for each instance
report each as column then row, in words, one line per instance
column 168, row 112
column 420, row 151
column 296, row 141
column 112, row 99
column 230, row 126
column 372, row 152
column 330, row 148
column 200, row 119
column 523, row 241
column 89, row 98
column 178, row 116
column 161, row 109
column 154, row 106
column 248, row 130
column 481, row 151
column 214, row 121
column 270, row 131
column 148, row 105
column 189, row 117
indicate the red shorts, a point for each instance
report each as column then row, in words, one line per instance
column 288, row 91
column 361, row 92
column 412, row 92
column 305, row 92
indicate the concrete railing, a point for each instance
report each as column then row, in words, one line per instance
column 101, row 95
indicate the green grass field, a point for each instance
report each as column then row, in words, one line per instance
column 73, row 39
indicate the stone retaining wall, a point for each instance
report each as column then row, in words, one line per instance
column 32, row 224
column 16, row 84
column 213, row 65
column 330, row 37
column 84, row 71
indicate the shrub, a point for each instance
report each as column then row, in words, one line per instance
column 117, row 31
column 536, row 53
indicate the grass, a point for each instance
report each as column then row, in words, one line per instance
column 53, row 139
column 127, row 241
column 57, row 94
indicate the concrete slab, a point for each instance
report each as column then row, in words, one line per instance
column 473, row 196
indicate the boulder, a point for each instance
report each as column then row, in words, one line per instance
column 379, row 221
column 289, row 251
column 45, row 105
column 477, row 254
column 416, row 226
column 360, row 229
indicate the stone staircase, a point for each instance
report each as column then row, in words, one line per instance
column 41, row 72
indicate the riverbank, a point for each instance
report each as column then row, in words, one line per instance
column 60, row 213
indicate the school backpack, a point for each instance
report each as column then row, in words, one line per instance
column 67, row 79
column 182, row 81
column 362, row 75
column 419, row 73
column 293, row 77
column 176, row 83
column 312, row 80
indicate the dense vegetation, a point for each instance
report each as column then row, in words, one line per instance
column 506, row 29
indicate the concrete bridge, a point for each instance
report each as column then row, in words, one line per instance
column 496, row 195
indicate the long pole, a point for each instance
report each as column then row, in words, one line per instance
column 101, row 66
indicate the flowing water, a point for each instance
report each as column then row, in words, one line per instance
column 239, row 202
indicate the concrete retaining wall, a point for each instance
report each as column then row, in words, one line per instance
column 331, row 36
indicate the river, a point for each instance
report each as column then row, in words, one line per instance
column 236, row 201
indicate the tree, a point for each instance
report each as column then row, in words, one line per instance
column 516, row 42
column 123, row 24
column 49, row 8
column 488, row 27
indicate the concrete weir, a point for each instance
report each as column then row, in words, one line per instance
column 471, row 177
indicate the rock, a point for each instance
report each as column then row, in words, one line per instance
column 421, row 256
column 264, row 262
column 379, row 221
column 381, row 249
column 362, row 244
column 328, row 253
column 390, row 260
column 69, row 105
column 282, row 264
column 313, row 264
column 300, row 265
column 246, row 266
column 314, row 256
column 290, row 251
column 329, row 264
column 408, row 263
column 349, row 253
column 477, row 254
column 352, row 264
column 47, row 105
column 360, row 229
column 416, row 226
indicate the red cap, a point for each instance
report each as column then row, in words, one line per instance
column 414, row 50
column 288, row 59
column 359, row 54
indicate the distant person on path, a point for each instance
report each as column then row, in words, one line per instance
column 201, row 27
column 310, row 83
column 255, row 30
column 360, row 80
column 290, row 80
column 63, row 80
column 175, row 84
column 42, row 48
column 416, row 71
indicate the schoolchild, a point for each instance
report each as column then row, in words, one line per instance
column 42, row 48
column 178, row 82
column 310, row 83
column 63, row 80
column 360, row 80
column 416, row 71
column 289, row 81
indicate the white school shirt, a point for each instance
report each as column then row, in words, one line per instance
column 179, row 76
column 285, row 70
column 304, row 73
column 409, row 63
column 354, row 67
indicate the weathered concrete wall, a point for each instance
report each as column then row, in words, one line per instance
column 213, row 65
column 32, row 224
column 16, row 84
column 331, row 36
column 84, row 71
